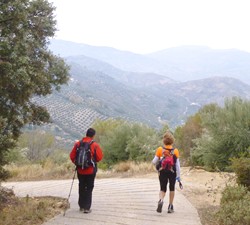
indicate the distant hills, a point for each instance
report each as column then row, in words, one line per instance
column 180, row 63
column 157, row 88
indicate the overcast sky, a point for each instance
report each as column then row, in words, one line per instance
column 144, row 26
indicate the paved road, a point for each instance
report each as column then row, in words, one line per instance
column 123, row 201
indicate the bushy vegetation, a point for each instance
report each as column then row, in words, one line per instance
column 37, row 155
column 216, row 134
column 122, row 141
column 235, row 201
column 241, row 166
column 217, row 138
column 235, row 206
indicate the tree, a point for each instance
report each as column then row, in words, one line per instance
column 226, row 133
column 33, row 146
column 39, row 145
column 184, row 135
column 27, row 67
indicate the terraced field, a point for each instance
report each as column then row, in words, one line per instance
column 72, row 118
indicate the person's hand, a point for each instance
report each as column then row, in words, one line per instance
column 158, row 166
column 178, row 179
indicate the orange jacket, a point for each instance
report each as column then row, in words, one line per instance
column 93, row 147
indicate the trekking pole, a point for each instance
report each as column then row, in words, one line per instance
column 70, row 190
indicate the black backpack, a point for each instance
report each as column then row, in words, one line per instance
column 83, row 155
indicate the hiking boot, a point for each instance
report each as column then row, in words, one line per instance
column 159, row 207
column 170, row 208
column 87, row 210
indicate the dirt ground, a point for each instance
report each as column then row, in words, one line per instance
column 204, row 188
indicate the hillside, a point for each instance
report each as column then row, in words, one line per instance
column 92, row 95
column 135, row 79
column 100, row 90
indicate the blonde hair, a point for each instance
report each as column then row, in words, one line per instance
column 168, row 138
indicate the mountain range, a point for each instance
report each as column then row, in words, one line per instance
column 180, row 63
column 157, row 88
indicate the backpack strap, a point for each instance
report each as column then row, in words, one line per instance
column 93, row 158
column 90, row 143
column 171, row 150
column 78, row 146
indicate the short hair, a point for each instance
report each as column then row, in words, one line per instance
column 168, row 138
column 90, row 132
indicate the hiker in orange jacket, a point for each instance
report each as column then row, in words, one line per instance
column 167, row 163
column 86, row 176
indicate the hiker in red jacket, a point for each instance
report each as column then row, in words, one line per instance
column 86, row 176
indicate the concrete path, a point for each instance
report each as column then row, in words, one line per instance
column 124, row 201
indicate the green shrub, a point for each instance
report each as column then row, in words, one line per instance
column 123, row 141
column 59, row 157
column 241, row 167
column 103, row 165
column 225, row 134
column 235, row 206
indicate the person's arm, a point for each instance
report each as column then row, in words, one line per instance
column 155, row 160
column 178, row 169
column 99, row 153
column 72, row 154
column 177, row 164
column 157, row 157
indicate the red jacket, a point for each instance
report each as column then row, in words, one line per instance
column 94, row 146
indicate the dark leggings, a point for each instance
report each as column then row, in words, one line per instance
column 166, row 176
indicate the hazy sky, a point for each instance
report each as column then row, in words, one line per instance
column 144, row 26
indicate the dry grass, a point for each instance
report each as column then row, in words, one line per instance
column 133, row 167
column 127, row 169
column 46, row 171
column 30, row 211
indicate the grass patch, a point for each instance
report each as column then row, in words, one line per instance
column 27, row 210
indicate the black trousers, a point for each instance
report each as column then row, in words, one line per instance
column 86, row 186
column 165, row 177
